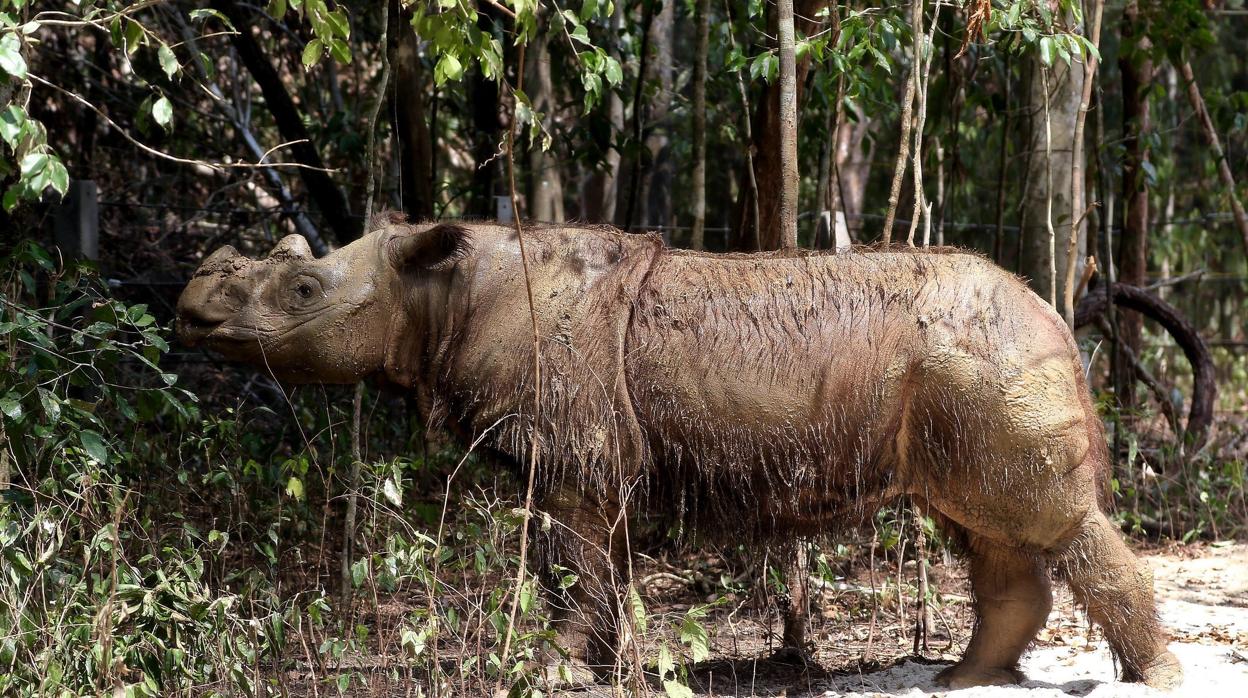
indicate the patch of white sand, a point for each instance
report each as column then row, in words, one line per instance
column 1211, row 672
column 1203, row 604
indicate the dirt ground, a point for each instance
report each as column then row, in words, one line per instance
column 1202, row 592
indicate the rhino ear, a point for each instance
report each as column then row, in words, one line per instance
column 436, row 248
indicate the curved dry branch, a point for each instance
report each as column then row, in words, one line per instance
column 1204, row 384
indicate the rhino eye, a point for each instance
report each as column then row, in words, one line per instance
column 303, row 290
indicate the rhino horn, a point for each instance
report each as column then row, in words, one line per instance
column 292, row 247
column 222, row 254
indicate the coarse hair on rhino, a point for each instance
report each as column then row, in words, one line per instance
column 760, row 395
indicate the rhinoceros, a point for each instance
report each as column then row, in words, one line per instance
column 761, row 396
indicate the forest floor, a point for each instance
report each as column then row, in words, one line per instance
column 1201, row 589
column 1202, row 593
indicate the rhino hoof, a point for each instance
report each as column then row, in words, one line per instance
column 962, row 676
column 1163, row 673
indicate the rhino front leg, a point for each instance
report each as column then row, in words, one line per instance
column 586, row 538
column 1012, row 601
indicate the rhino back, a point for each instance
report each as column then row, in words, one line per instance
column 779, row 386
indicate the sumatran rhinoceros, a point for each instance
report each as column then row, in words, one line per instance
column 763, row 396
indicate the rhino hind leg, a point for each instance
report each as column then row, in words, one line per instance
column 1116, row 589
column 1012, row 601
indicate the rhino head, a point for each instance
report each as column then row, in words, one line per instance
column 310, row 320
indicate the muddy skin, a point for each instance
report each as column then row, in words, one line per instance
column 760, row 397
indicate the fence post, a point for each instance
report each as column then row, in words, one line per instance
column 502, row 209
column 76, row 223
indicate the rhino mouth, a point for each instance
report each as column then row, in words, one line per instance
column 196, row 331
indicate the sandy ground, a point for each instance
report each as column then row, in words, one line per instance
column 1203, row 598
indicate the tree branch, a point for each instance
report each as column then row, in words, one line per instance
column 321, row 187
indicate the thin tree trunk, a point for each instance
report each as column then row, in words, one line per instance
column 907, row 104
column 1211, row 135
column 1076, row 166
column 657, row 178
column 767, row 130
column 998, row 236
column 1137, row 77
column 923, row 57
column 545, row 179
column 750, row 197
column 787, row 217
column 1054, row 97
column 634, row 183
column 852, row 164
column 411, row 124
column 605, row 183
column 701, row 20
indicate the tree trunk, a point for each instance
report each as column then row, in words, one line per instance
column 767, row 139
column 785, row 237
column 657, row 178
column 545, row 178
column 855, row 151
column 602, row 191
column 411, row 124
column 1137, row 78
column 1048, row 197
column 702, row 23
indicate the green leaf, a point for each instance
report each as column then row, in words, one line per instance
column 33, row 164
column 11, row 60
column 168, row 61
column 133, row 36
column 205, row 13
column 162, row 112
column 611, row 69
column 51, row 406
column 637, row 608
column 312, row 53
column 58, row 176
column 338, row 23
column 1046, row 50
column 11, row 407
column 94, row 445
column 12, row 125
column 447, row 68
column 340, row 51
column 694, row 635
column 294, row 488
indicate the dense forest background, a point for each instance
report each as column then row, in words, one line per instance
column 170, row 524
